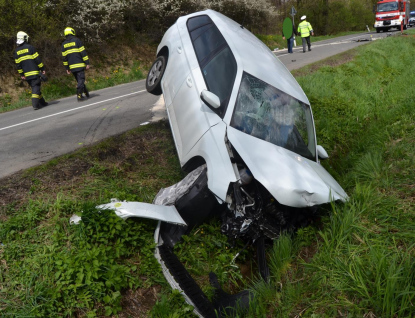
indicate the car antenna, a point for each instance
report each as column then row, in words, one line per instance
column 242, row 24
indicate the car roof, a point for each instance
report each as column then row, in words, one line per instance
column 254, row 56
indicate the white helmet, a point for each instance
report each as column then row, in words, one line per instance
column 303, row 18
column 22, row 37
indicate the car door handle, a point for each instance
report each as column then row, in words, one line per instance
column 189, row 81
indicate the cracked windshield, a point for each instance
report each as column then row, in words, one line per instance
column 267, row 113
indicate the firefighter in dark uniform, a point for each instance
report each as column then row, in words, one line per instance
column 30, row 67
column 75, row 60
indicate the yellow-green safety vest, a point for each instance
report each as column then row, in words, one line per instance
column 304, row 29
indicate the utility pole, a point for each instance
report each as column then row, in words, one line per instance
column 293, row 13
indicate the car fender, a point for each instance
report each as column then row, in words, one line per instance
column 212, row 148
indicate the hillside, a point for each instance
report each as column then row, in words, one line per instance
column 124, row 34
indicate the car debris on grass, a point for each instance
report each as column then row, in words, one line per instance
column 244, row 132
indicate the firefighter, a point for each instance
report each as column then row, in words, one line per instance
column 30, row 67
column 76, row 61
column 304, row 29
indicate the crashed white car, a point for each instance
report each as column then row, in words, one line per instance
column 244, row 128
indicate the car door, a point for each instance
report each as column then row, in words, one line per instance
column 210, row 59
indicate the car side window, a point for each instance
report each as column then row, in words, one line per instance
column 219, row 74
column 215, row 58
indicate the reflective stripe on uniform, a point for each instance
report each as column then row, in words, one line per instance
column 85, row 58
column 77, row 65
column 73, row 51
column 31, row 73
column 36, row 96
column 26, row 57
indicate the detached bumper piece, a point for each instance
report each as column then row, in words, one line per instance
column 195, row 204
column 223, row 304
column 187, row 284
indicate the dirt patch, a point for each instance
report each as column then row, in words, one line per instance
column 137, row 303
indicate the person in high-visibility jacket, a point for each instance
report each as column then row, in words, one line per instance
column 304, row 30
column 30, row 67
column 76, row 61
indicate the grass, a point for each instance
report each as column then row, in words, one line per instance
column 64, row 86
column 358, row 261
column 363, row 263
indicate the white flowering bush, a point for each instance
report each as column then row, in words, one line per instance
column 98, row 18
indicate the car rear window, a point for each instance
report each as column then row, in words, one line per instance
column 197, row 22
column 207, row 40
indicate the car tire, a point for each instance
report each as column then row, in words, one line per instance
column 154, row 76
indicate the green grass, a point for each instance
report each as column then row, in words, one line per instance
column 64, row 86
column 365, row 252
column 358, row 261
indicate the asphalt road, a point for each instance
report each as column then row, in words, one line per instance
column 29, row 138
column 324, row 49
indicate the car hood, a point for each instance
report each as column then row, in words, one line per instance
column 290, row 178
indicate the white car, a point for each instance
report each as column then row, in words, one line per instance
column 244, row 126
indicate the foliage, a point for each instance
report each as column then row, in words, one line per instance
column 206, row 250
column 59, row 269
column 360, row 262
column 334, row 16
column 172, row 305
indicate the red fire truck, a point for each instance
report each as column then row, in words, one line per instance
column 391, row 13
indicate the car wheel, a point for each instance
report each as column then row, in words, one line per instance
column 154, row 76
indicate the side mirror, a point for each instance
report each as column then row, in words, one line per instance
column 210, row 99
column 321, row 152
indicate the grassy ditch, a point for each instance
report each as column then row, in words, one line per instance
column 358, row 261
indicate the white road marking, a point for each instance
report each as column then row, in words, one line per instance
column 69, row 110
column 348, row 40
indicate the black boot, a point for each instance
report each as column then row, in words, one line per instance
column 35, row 103
column 79, row 96
column 86, row 92
column 43, row 102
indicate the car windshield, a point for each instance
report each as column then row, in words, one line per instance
column 387, row 6
column 267, row 113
